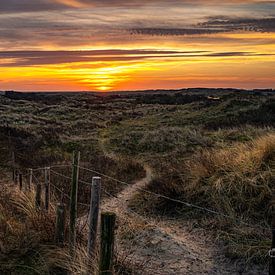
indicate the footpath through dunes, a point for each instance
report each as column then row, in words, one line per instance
column 161, row 246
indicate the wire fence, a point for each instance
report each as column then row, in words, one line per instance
column 178, row 201
column 39, row 176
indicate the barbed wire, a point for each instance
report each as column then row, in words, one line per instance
column 61, row 175
column 61, row 191
column 129, row 210
column 185, row 203
column 50, row 167
column 69, row 178
column 36, row 179
column 67, row 196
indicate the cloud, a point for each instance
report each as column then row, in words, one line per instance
column 40, row 58
column 75, row 24
column 31, row 58
column 13, row 6
column 29, row 5
column 246, row 24
column 176, row 31
column 213, row 25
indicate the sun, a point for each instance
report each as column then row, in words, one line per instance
column 103, row 88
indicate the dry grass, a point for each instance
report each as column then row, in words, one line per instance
column 237, row 181
column 234, row 180
column 27, row 240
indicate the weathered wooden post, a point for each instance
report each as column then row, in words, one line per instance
column 16, row 177
column 272, row 250
column 38, row 196
column 93, row 214
column 60, row 224
column 107, row 243
column 47, row 188
column 30, row 179
column 20, row 181
column 13, row 166
column 73, row 201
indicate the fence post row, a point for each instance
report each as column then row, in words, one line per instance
column 93, row 214
column 60, row 224
column 108, row 219
column 47, row 188
column 73, row 201
column 107, row 243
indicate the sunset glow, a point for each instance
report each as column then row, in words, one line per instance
column 72, row 45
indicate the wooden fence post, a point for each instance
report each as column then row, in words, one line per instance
column 13, row 166
column 272, row 251
column 47, row 188
column 20, row 181
column 30, row 179
column 107, row 243
column 60, row 224
column 38, row 196
column 16, row 177
column 73, row 201
column 93, row 214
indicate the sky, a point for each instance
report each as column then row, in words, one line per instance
column 106, row 45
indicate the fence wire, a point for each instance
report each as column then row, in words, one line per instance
column 185, row 203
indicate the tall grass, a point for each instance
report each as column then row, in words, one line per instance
column 27, row 240
column 237, row 181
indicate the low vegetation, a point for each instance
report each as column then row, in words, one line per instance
column 212, row 148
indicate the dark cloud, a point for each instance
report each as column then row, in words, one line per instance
column 176, row 31
column 37, row 58
column 30, row 58
column 214, row 25
column 246, row 24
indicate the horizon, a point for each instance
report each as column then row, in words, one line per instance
column 116, row 46
column 140, row 91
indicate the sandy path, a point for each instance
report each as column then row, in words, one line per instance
column 166, row 247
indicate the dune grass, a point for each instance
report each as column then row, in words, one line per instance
column 217, row 154
column 27, row 243
column 237, row 181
